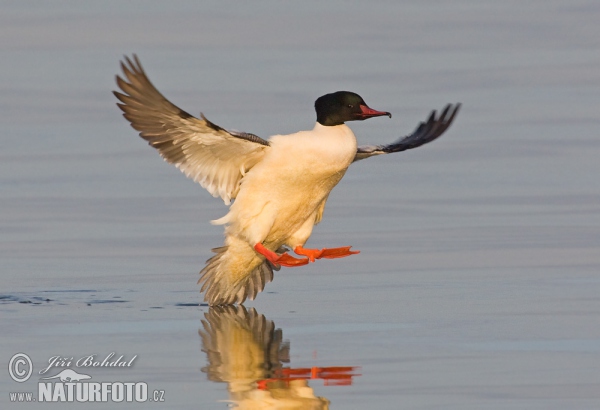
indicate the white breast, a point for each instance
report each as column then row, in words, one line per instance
column 294, row 177
column 323, row 150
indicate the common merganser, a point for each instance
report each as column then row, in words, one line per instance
column 280, row 185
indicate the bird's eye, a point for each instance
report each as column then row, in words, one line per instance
column 350, row 106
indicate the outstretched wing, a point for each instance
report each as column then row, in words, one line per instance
column 210, row 155
column 425, row 132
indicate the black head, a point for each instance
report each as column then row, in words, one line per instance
column 341, row 106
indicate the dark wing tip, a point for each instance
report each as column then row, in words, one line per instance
column 426, row 132
column 454, row 112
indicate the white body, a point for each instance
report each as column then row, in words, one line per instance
column 279, row 201
column 281, row 196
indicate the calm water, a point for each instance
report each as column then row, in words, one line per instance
column 479, row 279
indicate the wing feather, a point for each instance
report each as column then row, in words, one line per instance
column 425, row 132
column 215, row 158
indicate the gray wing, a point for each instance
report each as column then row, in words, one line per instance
column 426, row 132
column 210, row 155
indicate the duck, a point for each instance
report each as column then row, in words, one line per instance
column 276, row 188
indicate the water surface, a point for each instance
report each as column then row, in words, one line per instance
column 477, row 284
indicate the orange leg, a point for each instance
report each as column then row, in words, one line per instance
column 328, row 253
column 284, row 259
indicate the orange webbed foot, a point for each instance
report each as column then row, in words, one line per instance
column 280, row 260
column 327, row 253
column 288, row 260
column 311, row 253
column 332, row 253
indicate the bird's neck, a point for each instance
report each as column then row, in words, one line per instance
column 331, row 129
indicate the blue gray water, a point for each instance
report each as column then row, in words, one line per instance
column 478, row 281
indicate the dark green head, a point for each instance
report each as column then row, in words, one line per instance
column 341, row 106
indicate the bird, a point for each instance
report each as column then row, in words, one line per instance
column 279, row 186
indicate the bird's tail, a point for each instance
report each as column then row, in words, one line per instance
column 235, row 273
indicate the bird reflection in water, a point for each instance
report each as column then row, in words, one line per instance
column 245, row 351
